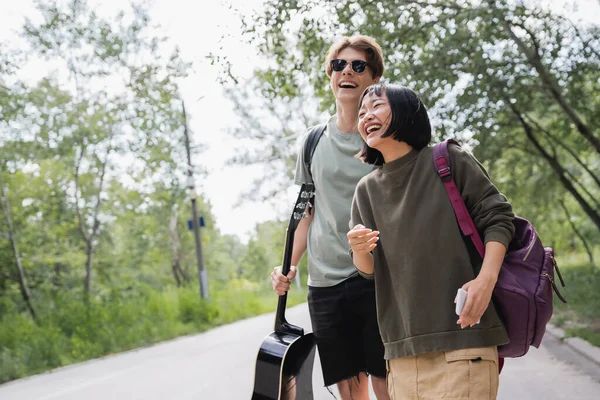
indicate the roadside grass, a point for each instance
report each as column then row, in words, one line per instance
column 72, row 331
column 580, row 317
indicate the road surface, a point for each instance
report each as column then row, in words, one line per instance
column 219, row 365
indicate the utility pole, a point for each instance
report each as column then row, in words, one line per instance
column 202, row 276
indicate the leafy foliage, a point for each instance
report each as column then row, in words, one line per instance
column 92, row 171
column 125, row 319
column 516, row 82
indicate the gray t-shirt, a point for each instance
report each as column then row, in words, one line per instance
column 335, row 171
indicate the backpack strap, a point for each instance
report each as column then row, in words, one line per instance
column 441, row 162
column 311, row 144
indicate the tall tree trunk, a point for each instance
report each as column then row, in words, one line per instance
column 558, row 169
column 588, row 250
column 549, row 82
column 56, row 279
column 591, row 197
column 579, row 161
column 174, row 268
column 23, row 287
column 88, row 264
column 90, row 236
column 178, row 273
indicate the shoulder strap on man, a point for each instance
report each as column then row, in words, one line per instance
column 311, row 144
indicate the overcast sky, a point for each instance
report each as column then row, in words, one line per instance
column 197, row 29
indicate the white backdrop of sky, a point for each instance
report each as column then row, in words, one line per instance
column 198, row 28
column 198, row 31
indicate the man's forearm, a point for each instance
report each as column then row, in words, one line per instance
column 301, row 238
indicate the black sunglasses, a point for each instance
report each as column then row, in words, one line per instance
column 358, row 66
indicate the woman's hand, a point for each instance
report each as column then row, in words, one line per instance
column 480, row 293
column 362, row 240
column 480, row 289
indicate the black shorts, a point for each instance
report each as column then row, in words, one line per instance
column 344, row 322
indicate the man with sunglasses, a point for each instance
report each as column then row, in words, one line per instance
column 341, row 302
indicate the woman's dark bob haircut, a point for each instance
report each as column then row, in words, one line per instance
column 409, row 123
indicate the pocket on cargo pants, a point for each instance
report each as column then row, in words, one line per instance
column 472, row 373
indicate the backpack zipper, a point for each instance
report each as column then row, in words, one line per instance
column 530, row 246
column 562, row 282
column 554, row 287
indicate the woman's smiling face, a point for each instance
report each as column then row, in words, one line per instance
column 374, row 118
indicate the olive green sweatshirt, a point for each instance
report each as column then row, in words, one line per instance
column 421, row 258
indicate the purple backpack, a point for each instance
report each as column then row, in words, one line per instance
column 523, row 292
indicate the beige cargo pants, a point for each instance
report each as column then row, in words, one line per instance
column 451, row 375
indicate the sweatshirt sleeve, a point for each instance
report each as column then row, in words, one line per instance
column 358, row 201
column 490, row 210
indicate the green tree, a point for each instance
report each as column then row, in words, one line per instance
column 122, row 106
column 7, row 214
column 513, row 80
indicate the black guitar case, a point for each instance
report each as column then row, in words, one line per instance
column 285, row 359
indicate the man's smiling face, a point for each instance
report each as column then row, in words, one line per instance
column 347, row 85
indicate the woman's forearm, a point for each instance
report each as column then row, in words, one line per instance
column 364, row 263
column 492, row 262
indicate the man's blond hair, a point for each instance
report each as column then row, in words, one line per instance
column 363, row 43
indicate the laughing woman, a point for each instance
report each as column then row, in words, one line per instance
column 406, row 237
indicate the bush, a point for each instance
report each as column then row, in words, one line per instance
column 194, row 310
column 581, row 315
column 73, row 330
column 27, row 348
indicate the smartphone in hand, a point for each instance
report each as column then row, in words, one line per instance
column 461, row 299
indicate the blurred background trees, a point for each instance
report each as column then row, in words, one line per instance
column 515, row 81
column 95, row 252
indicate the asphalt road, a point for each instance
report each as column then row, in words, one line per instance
column 219, row 364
